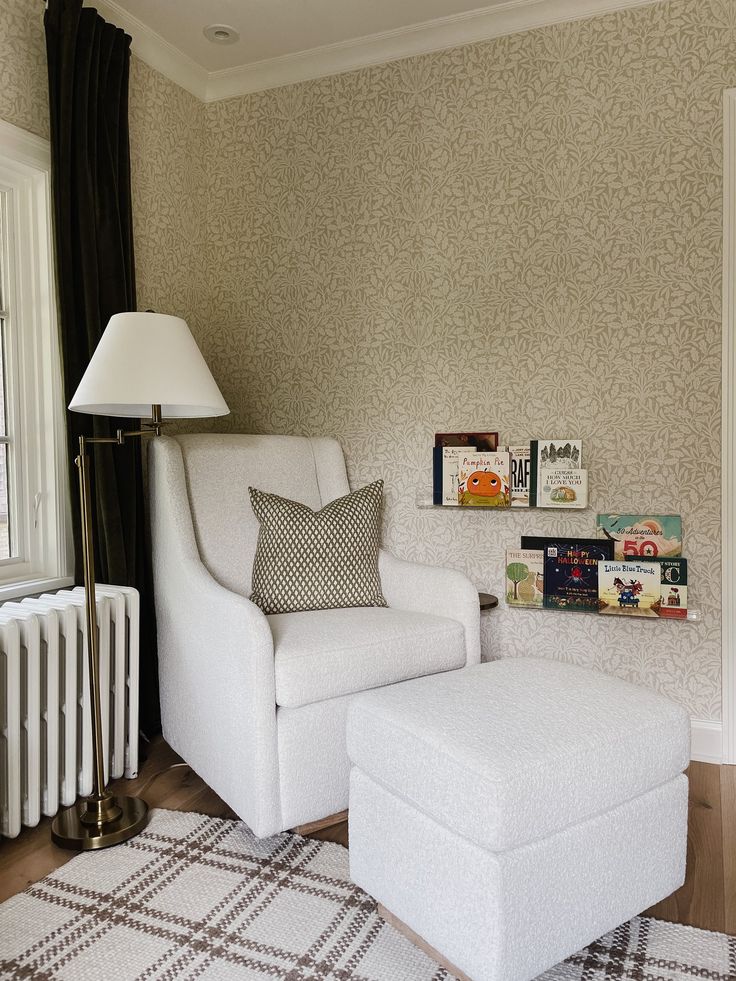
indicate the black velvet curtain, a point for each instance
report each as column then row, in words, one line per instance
column 89, row 65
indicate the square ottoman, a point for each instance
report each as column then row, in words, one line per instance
column 511, row 813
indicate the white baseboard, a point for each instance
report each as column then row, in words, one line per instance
column 706, row 742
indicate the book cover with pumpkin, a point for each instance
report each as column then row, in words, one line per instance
column 483, row 480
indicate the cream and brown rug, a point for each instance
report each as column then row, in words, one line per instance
column 195, row 897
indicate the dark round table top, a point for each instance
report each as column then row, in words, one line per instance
column 487, row 601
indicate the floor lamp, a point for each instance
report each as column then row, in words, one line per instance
column 145, row 363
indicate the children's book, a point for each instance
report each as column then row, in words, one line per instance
column 520, row 460
column 484, row 442
column 562, row 488
column 673, row 602
column 570, row 570
column 446, row 465
column 524, row 577
column 483, row 480
column 558, row 454
column 642, row 535
column 552, row 454
column 629, row 588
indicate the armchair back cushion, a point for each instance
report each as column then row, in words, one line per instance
column 220, row 468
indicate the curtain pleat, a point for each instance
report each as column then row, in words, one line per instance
column 89, row 67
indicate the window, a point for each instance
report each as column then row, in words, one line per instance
column 34, row 524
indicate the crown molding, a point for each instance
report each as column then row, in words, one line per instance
column 155, row 50
column 511, row 17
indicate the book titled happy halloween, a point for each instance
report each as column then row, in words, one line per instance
column 570, row 571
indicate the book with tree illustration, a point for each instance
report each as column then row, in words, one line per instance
column 551, row 455
column 524, row 577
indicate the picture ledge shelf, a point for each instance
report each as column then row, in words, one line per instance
column 693, row 616
column 425, row 504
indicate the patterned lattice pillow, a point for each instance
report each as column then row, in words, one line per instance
column 317, row 560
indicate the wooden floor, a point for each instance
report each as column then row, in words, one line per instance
column 707, row 900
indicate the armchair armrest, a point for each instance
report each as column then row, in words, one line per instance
column 432, row 589
column 216, row 664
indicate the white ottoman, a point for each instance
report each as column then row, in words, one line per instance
column 511, row 813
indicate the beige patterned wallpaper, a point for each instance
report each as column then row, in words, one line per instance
column 168, row 184
column 23, row 78
column 523, row 234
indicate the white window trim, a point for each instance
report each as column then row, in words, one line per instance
column 25, row 166
column 728, row 432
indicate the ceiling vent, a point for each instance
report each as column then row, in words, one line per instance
column 221, row 34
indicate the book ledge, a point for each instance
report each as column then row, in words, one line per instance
column 691, row 616
column 426, row 504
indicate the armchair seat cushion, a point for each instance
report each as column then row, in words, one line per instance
column 327, row 653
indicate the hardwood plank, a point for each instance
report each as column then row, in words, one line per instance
column 420, row 942
column 328, row 822
column 28, row 858
column 336, row 832
column 728, row 814
column 699, row 902
column 163, row 781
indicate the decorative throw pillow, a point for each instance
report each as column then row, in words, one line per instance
column 317, row 560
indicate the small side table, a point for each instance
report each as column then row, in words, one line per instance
column 487, row 601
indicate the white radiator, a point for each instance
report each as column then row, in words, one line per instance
column 45, row 712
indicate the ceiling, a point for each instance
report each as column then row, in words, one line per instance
column 272, row 28
column 284, row 41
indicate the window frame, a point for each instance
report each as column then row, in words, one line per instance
column 34, row 392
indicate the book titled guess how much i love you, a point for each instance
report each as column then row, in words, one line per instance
column 562, row 489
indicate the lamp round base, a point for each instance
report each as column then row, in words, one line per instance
column 69, row 831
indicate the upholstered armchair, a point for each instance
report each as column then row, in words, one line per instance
column 257, row 704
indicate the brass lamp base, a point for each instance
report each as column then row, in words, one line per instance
column 97, row 824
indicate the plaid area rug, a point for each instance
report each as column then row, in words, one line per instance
column 200, row 897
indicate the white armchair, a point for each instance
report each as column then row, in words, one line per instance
column 256, row 704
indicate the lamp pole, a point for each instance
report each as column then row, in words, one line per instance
column 102, row 818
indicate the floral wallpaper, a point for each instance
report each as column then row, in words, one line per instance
column 522, row 235
column 23, row 78
column 168, row 186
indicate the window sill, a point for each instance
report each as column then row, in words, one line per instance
column 17, row 590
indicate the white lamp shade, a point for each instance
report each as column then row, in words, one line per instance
column 146, row 359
